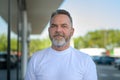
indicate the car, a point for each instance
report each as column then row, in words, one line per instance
column 107, row 60
column 117, row 63
column 96, row 59
column 3, row 60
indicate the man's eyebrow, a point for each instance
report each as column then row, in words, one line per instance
column 61, row 24
column 64, row 24
column 53, row 24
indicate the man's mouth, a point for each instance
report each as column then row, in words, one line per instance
column 58, row 36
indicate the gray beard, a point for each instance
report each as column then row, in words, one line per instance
column 59, row 43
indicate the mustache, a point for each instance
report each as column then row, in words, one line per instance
column 58, row 34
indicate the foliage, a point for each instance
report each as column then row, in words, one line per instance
column 13, row 44
column 38, row 44
column 3, row 42
column 99, row 38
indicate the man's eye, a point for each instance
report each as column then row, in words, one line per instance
column 64, row 26
column 52, row 26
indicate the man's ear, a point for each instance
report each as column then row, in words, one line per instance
column 72, row 31
column 48, row 29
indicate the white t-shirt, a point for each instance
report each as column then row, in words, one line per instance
column 69, row 64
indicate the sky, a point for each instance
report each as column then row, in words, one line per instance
column 90, row 15
column 3, row 28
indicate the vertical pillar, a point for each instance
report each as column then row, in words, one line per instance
column 9, row 39
column 24, row 44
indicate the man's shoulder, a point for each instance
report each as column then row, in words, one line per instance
column 39, row 53
column 80, row 54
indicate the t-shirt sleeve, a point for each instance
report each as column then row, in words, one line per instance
column 90, row 72
column 30, row 74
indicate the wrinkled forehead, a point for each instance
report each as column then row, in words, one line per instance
column 60, row 19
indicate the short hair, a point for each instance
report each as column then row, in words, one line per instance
column 62, row 11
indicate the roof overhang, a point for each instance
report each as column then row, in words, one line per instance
column 38, row 13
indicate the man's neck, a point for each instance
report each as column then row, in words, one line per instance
column 61, row 48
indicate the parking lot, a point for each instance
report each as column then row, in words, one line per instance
column 105, row 72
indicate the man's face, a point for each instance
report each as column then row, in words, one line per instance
column 60, row 30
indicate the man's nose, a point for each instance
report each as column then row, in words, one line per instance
column 58, row 29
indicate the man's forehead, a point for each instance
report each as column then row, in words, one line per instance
column 61, row 18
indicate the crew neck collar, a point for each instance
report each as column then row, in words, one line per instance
column 60, row 52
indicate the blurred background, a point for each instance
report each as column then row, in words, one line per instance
column 24, row 30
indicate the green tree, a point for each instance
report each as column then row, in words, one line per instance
column 38, row 44
column 99, row 38
column 3, row 42
column 14, row 44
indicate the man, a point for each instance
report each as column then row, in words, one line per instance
column 61, row 61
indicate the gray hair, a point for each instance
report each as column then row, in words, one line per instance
column 61, row 11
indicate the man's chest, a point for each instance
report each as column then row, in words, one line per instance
column 55, row 70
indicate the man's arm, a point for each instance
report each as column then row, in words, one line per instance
column 30, row 74
column 90, row 70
